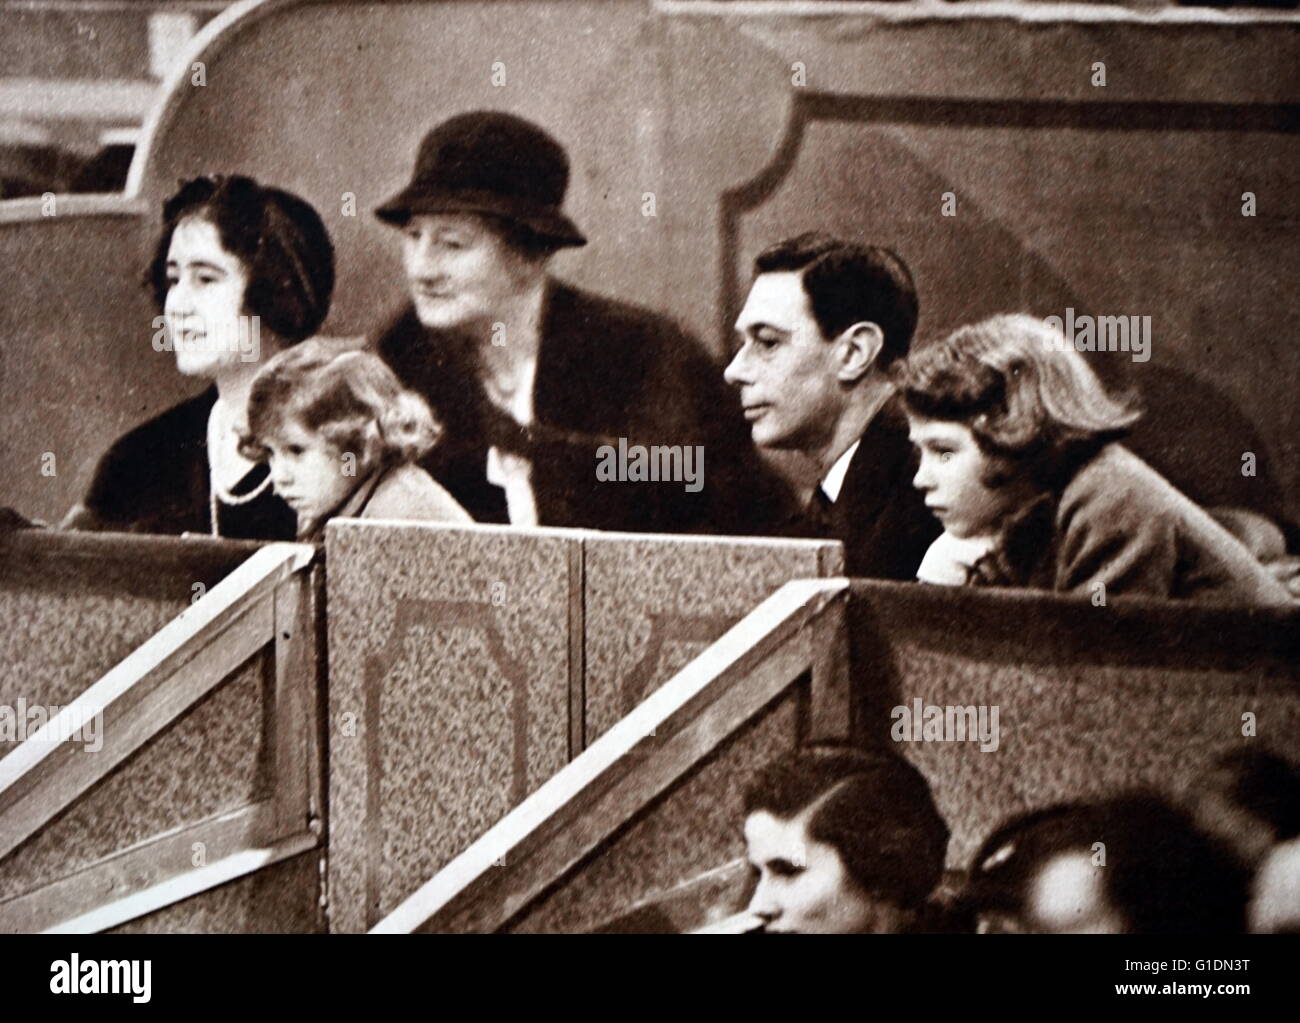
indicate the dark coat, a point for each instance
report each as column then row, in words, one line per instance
column 880, row 517
column 155, row 479
column 1118, row 523
column 605, row 370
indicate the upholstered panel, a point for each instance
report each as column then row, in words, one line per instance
column 653, row 603
column 76, row 606
column 1090, row 699
column 449, row 696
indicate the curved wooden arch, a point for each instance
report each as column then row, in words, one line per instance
column 210, row 39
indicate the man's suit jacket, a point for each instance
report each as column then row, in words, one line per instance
column 605, row 370
column 880, row 517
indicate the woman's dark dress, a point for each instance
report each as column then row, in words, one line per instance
column 155, row 479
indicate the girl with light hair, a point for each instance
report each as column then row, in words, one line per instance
column 1020, row 461
column 342, row 437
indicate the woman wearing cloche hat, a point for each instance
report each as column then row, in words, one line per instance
column 532, row 376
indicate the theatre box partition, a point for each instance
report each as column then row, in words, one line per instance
column 398, row 702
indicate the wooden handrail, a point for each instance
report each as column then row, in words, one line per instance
column 145, row 692
column 670, row 732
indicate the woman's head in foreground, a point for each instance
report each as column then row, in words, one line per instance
column 841, row 841
column 1133, row 864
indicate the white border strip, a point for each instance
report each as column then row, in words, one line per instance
column 932, row 11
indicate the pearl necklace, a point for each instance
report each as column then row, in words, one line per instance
column 220, row 496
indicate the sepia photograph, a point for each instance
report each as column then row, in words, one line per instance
column 652, row 467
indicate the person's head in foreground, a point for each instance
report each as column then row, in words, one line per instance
column 842, row 841
column 230, row 250
column 328, row 421
column 824, row 322
column 1250, row 798
column 1129, row 865
column 1000, row 413
column 481, row 218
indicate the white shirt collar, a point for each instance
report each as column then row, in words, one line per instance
column 949, row 560
column 834, row 481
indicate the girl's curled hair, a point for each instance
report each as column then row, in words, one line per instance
column 350, row 397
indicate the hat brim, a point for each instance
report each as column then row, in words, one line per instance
column 544, row 221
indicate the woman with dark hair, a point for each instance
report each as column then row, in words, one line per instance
column 1020, row 462
column 240, row 272
column 842, row 841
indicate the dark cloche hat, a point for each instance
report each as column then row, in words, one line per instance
column 489, row 162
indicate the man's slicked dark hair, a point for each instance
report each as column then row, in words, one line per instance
column 873, row 808
column 848, row 283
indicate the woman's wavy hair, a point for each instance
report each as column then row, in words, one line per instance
column 280, row 239
column 873, row 808
column 1029, row 398
column 351, row 398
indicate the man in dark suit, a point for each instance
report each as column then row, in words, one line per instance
column 560, row 407
column 824, row 323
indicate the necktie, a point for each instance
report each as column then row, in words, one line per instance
column 821, row 514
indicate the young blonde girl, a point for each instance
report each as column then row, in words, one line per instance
column 342, row 437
